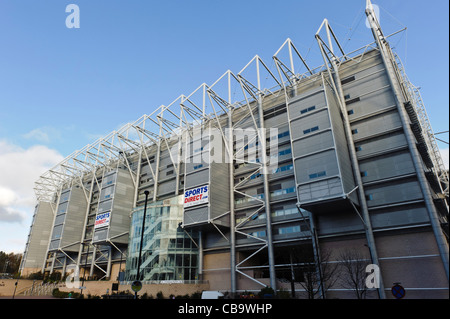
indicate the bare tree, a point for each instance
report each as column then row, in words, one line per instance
column 353, row 275
column 318, row 275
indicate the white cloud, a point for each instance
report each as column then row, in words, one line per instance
column 19, row 169
column 43, row 134
column 7, row 196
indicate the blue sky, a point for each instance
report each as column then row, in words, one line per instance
column 61, row 88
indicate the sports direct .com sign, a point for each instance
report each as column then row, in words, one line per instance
column 102, row 219
column 196, row 196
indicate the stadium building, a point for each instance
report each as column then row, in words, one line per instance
column 246, row 185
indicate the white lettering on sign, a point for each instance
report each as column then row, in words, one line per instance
column 102, row 219
column 196, row 196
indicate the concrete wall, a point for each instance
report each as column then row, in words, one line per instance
column 98, row 288
column 7, row 286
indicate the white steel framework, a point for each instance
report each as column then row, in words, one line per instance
column 209, row 105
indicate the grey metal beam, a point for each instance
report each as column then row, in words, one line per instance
column 400, row 99
column 336, row 83
column 271, row 256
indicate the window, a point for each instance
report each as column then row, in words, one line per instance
column 358, row 148
column 198, row 166
column 351, row 112
column 355, row 131
column 255, row 160
column 57, row 231
column 246, row 147
column 353, row 101
column 64, row 197
column 369, row 197
column 60, row 219
column 247, row 199
column 347, row 96
column 280, row 135
column 62, row 208
column 274, row 111
column 283, row 168
column 308, row 109
column 259, row 234
column 285, row 152
column 255, row 176
column 284, row 211
column 348, row 80
column 363, row 174
column 318, row 174
column 289, row 230
column 169, row 173
column 282, row 191
column 310, row 130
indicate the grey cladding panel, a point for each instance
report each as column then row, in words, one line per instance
column 393, row 193
column 121, row 209
column 352, row 67
column 341, row 144
column 74, row 220
column 380, row 144
column 321, row 162
column 100, row 234
column 196, row 215
column 302, row 103
column 396, row 164
column 399, row 217
column 200, row 177
column 105, row 205
column 196, row 166
column 376, row 125
column 338, row 222
column 166, row 187
column 301, row 125
column 316, row 142
column 368, row 83
column 320, row 190
column 371, row 103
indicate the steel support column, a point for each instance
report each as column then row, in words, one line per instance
column 263, row 150
column 336, row 83
column 357, row 175
column 232, row 217
column 400, row 99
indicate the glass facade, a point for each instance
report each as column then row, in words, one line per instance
column 168, row 253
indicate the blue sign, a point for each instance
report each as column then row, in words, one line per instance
column 398, row 291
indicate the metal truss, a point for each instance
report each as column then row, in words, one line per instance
column 232, row 99
column 415, row 97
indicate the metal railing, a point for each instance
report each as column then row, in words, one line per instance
column 413, row 94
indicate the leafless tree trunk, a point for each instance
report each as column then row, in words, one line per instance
column 353, row 274
column 314, row 280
